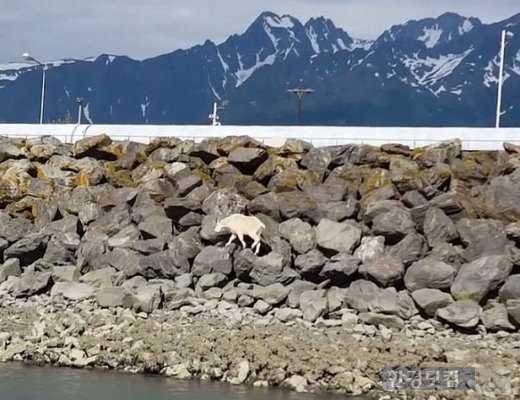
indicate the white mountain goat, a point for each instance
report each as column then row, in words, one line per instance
column 242, row 225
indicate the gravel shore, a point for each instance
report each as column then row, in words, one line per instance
column 238, row 346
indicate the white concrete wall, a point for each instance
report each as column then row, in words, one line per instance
column 472, row 138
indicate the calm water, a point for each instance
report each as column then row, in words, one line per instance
column 18, row 382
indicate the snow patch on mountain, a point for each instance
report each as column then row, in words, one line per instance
column 284, row 22
column 516, row 67
column 361, row 44
column 272, row 37
column 243, row 74
column 428, row 71
column 14, row 66
column 225, row 65
column 144, row 107
column 466, row 27
column 86, row 112
column 313, row 37
column 9, row 76
column 431, row 36
column 215, row 93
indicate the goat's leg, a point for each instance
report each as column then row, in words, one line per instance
column 233, row 237
column 241, row 238
column 256, row 244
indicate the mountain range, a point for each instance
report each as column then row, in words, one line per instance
column 432, row 72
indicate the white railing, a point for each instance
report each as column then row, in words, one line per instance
column 472, row 138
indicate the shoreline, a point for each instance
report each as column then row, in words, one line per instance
column 252, row 350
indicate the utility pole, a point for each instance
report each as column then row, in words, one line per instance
column 505, row 35
column 300, row 94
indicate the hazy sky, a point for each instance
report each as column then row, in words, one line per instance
column 53, row 29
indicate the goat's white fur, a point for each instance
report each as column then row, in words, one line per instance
column 242, row 225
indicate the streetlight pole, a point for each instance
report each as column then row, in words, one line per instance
column 79, row 102
column 505, row 35
column 29, row 58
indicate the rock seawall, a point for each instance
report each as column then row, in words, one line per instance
column 356, row 236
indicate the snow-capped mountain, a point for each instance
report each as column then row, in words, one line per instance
column 435, row 71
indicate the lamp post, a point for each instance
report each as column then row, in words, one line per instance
column 505, row 35
column 79, row 102
column 30, row 58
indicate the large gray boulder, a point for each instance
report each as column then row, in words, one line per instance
column 212, row 259
column 295, row 204
column 326, row 193
column 412, row 248
column 59, row 251
column 11, row 267
column 148, row 298
column 385, row 301
column 76, row 291
column 495, row 318
column 9, row 150
column 339, row 211
column 310, row 264
column 462, row 313
column 164, row 264
column 102, row 278
column 209, row 281
column 186, row 245
column 125, row 261
column 510, row 290
column 341, row 237
column 157, row 226
column 438, row 227
column 247, row 159
column 430, row 300
column 300, row 235
column 126, row 235
column 449, row 254
column 313, row 304
column 28, row 249
column 370, row 247
column 394, row 225
column 224, row 202
column 429, row 273
column 274, row 294
column 13, row 229
column 513, row 310
column 360, row 294
column 115, row 297
column 31, row 283
column 483, row 237
column 500, row 197
column 267, row 204
column 476, row 279
column 388, row 321
column 65, row 273
column 384, row 269
column 271, row 269
column 317, row 160
column 406, row 305
column 208, row 232
column 340, row 268
column 296, row 288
